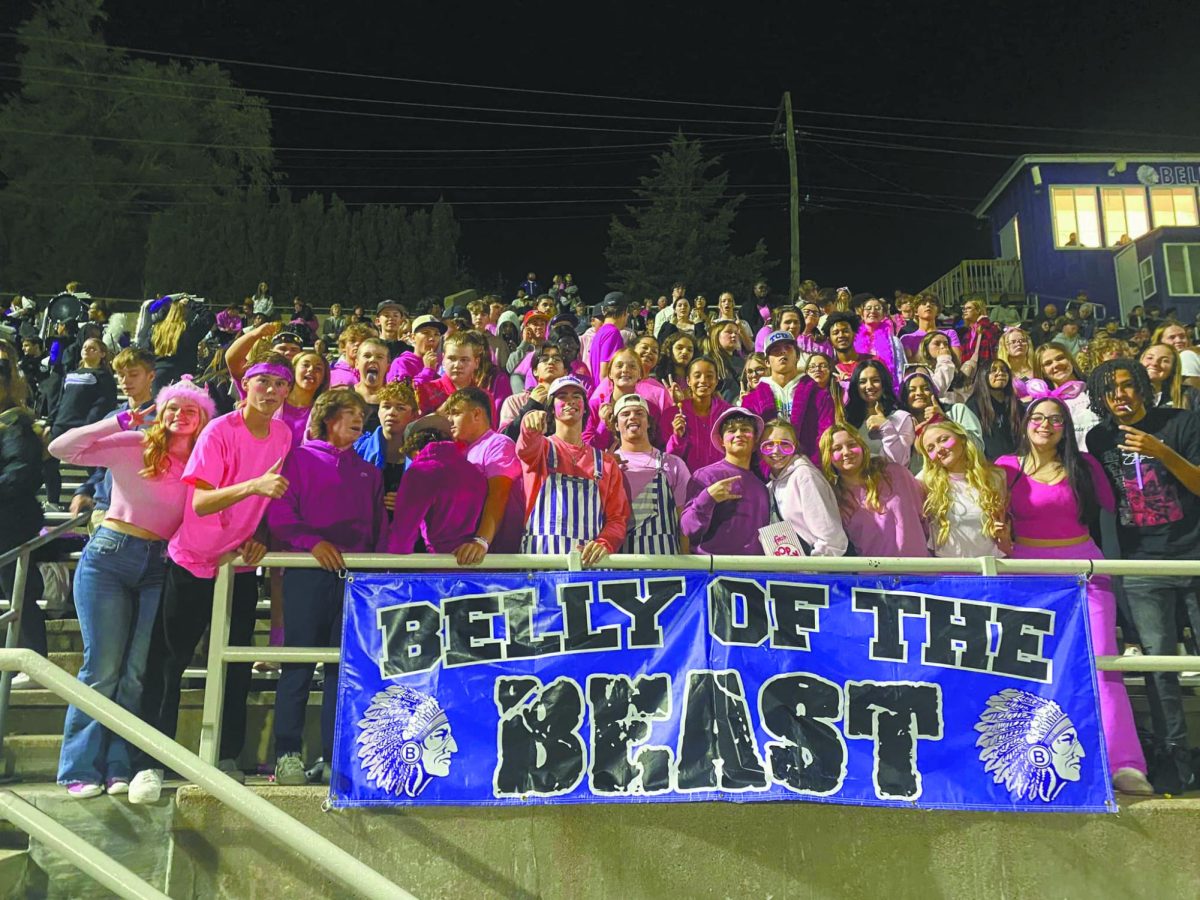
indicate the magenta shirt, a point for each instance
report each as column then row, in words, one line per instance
column 1049, row 511
column 342, row 374
column 333, row 495
column 596, row 433
column 695, row 447
column 605, row 344
column 440, row 497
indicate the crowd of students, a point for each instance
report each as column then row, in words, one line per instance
column 823, row 425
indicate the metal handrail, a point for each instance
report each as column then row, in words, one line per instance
column 220, row 653
column 335, row 862
column 43, row 539
column 12, row 617
column 102, row 867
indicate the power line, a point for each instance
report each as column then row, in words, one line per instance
column 381, row 115
column 267, row 147
column 310, row 96
column 961, row 123
column 387, row 78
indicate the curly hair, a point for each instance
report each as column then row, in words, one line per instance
column 1102, row 381
column 981, row 475
column 328, row 406
column 398, row 393
column 875, row 475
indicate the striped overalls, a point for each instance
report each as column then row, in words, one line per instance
column 568, row 511
column 654, row 530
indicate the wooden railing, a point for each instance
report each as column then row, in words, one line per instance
column 990, row 279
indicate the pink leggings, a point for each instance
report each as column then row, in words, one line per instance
column 1116, row 715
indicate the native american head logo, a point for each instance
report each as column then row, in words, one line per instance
column 404, row 741
column 1028, row 744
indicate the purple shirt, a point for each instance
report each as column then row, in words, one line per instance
column 341, row 374
column 495, row 455
column 730, row 527
column 605, row 344
column 333, row 495
column 441, row 498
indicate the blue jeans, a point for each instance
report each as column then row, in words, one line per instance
column 117, row 587
column 312, row 617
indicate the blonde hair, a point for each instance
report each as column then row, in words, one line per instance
column 1173, row 387
column 874, row 471
column 981, row 475
column 166, row 334
column 156, row 444
column 1027, row 362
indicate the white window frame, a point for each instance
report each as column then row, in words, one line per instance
column 1146, row 274
column 1193, row 277
column 1123, row 191
column 1154, row 223
column 1095, row 189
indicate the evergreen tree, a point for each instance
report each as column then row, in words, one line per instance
column 683, row 229
column 95, row 141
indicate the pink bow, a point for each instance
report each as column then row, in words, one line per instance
column 1037, row 389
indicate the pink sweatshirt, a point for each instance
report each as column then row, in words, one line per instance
column 695, row 447
column 899, row 528
column 153, row 504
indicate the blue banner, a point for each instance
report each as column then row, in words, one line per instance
column 945, row 692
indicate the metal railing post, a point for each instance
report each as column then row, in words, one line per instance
column 214, row 683
column 12, row 637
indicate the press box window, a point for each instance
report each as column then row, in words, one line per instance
column 1125, row 216
column 1183, row 269
column 1076, row 217
column 1173, row 206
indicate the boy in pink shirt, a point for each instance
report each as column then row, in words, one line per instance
column 232, row 474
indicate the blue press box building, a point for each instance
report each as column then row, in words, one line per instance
column 1125, row 230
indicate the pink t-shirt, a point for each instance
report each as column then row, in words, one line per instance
column 155, row 504
column 495, row 455
column 640, row 469
column 225, row 454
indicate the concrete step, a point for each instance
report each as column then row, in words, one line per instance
column 63, row 636
column 15, row 866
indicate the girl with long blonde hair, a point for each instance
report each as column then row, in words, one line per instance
column 119, row 578
column 880, row 502
column 965, row 499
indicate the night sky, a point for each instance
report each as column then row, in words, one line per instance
column 885, row 196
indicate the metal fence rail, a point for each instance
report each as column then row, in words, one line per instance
column 331, row 859
column 221, row 654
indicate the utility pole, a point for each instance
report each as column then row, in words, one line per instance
column 794, row 194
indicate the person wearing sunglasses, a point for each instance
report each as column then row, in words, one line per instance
column 1056, row 492
column 800, row 495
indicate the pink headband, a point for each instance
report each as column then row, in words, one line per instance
column 270, row 368
column 1036, row 389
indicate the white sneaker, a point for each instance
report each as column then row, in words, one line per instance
column 146, row 786
column 1127, row 780
column 22, row 682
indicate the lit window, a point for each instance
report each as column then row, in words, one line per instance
column 1146, row 268
column 1173, row 206
column 1125, row 215
column 1076, row 217
column 1183, row 269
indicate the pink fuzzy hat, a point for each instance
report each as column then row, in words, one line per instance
column 186, row 391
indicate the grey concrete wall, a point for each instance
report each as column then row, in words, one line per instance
column 794, row 850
